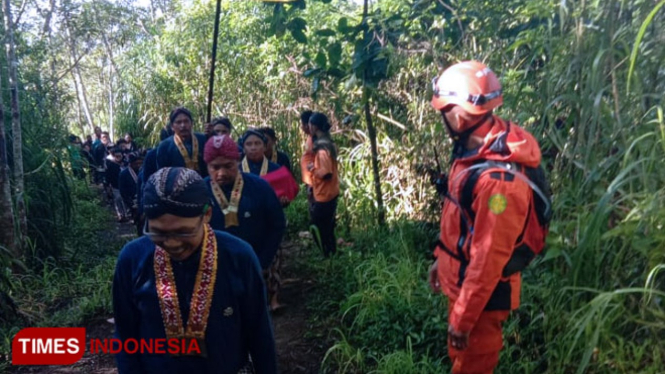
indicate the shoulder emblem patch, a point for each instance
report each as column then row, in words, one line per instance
column 497, row 203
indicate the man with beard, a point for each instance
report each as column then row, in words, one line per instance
column 184, row 148
column 185, row 281
column 246, row 206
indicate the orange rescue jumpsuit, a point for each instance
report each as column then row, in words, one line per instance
column 480, row 299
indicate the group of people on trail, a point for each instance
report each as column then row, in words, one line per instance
column 112, row 165
column 206, row 269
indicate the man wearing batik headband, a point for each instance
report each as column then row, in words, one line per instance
column 185, row 147
column 244, row 204
column 185, row 281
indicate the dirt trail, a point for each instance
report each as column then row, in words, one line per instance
column 296, row 352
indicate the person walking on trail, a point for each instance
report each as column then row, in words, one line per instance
column 127, row 184
column 308, row 154
column 246, row 206
column 100, row 150
column 98, row 136
column 479, row 237
column 221, row 126
column 130, row 145
column 148, row 168
column 272, row 153
column 253, row 144
column 183, row 280
column 113, row 169
column 325, row 183
column 185, row 147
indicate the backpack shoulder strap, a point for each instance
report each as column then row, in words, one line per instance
column 476, row 170
column 466, row 193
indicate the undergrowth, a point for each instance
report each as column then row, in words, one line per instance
column 373, row 303
column 74, row 288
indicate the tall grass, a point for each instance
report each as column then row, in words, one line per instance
column 593, row 303
column 73, row 287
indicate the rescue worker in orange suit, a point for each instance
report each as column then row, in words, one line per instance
column 474, row 249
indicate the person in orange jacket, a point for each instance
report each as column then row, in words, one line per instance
column 324, row 176
column 475, row 245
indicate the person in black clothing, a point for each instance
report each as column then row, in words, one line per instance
column 130, row 145
column 166, row 132
column 89, row 160
column 127, row 184
column 113, row 167
column 148, row 168
column 122, row 146
column 221, row 126
column 272, row 154
column 99, row 152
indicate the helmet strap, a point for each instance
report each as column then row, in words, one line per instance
column 460, row 138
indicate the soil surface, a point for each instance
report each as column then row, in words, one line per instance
column 297, row 351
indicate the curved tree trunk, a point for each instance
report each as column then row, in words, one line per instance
column 16, row 123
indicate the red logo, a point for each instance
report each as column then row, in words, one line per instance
column 48, row 346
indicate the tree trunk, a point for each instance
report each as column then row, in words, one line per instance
column 7, row 227
column 371, row 130
column 111, row 127
column 16, row 124
column 78, row 81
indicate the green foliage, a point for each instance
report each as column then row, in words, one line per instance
column 585, row 78
column 72, row 289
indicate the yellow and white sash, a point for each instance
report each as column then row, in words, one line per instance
column 229, row 208
column 190, row 162
column 264, row 166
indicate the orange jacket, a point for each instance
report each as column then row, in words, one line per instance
column 501, row 204
column 325, row 178
column 306, row 159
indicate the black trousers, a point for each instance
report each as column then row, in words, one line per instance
column 322, row 215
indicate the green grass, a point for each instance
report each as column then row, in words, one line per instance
column 74, row 288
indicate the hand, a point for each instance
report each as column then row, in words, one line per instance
column 434, row 277
column 459, row 340
column 310, row 166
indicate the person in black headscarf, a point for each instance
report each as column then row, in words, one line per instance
column 185, row 281
column 272, row 153
column 253, row 144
